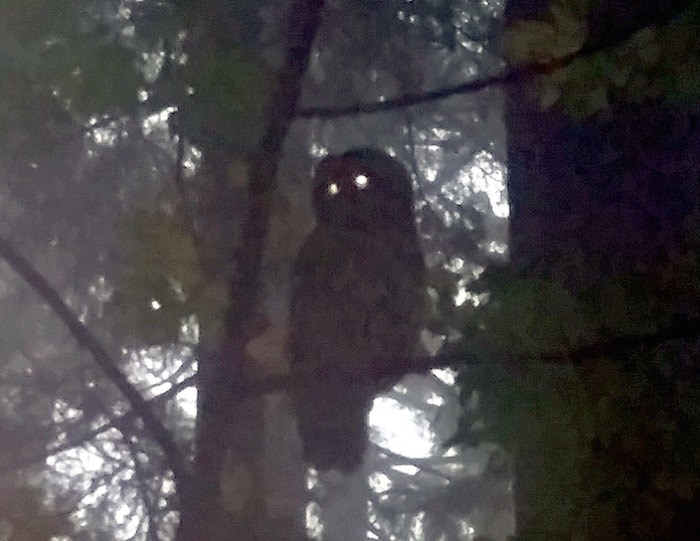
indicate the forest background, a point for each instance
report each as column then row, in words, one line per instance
column 155, row 160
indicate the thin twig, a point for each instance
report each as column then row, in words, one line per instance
column 117, row 423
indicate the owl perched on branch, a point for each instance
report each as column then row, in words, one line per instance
column 358, row 300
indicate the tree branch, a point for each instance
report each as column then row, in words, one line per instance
column 304, row 20
column 144, row 490
column 85, row 339
column 393, row 368
column 509, row 76
column 119, row 423
column 407, row 100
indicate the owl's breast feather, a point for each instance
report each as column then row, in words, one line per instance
column 360, row 296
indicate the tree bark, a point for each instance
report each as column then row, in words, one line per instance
column 618, row 191
column 228, row 498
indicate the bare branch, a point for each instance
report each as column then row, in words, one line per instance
column 513, row 75
column 84, row 337
column 393, row 368
column 144, row 490
column 408, row 100
column 120, row 423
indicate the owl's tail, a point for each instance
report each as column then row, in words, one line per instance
column 332, row 423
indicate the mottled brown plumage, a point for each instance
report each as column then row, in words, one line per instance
column 358, row 299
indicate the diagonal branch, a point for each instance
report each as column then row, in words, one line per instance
column 84, row 337
column 119, row 423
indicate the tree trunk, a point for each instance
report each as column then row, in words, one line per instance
column 616, row 194
column 229, row 498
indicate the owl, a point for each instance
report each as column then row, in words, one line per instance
column 358, row 300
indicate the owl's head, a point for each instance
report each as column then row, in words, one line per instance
column 363, row 189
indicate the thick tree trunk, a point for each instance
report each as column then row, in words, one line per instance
column 616, row 193
column 228, row 500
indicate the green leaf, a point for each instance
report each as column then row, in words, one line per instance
column 163, row 281
column 231, row 93
column 104, row 77
column 656, row 62
column 32, row 20
column 561, row 32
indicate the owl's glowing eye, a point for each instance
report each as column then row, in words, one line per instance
column 333, row 188
column 361, row 181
